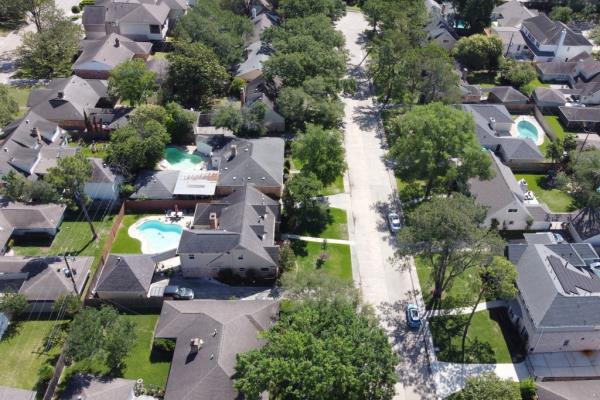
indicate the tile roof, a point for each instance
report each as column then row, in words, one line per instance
column 126, row 273
column 226, row 328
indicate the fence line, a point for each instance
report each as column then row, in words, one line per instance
column 58, row 370
column 542, row 121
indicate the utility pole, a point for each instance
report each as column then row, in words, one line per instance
column 70, row 273
column 85, row 213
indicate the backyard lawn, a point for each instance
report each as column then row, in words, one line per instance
column 335, row 188
column 142, row 361
column 555, row 199
column 20, row 93
column 22, row 352
column 461, row 284
column 482, row 78
column 125, row 244
column 556, row 126
column 86, row 149
column 490, row 339
column 338, row 263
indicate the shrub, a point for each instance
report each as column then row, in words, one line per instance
column 166, row 345
column 45, row 373
column 84, row 3
column 75, row 9
column 528, row 389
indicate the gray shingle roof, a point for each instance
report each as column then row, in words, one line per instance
column 155, row 185
column 508, row 94
column 8, row 393
column 557, row 68
column 42, row 278
column 33, row 216
column 105, row 51
column 226, row 328
column 88, row 387
column 580, row 114
column 126, row 273
column 137, row 12
column 549, row 95
column 32, row 128
column 547, row 31
column 512, row 13
column 257, row 53
column 101, row 173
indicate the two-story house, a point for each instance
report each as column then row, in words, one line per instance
column 552, row 40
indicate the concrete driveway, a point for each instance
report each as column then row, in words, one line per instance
column 371, row 188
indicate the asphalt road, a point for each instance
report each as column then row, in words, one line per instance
column 371, row 187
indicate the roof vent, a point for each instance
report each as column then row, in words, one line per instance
column 60, row 95
column 214, row 332
column 195, row 345
column 117, row 42
column 492, row 123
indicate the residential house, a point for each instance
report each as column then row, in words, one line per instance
column 125, row 276
column 513, row 43
column 44, row 279
column 510, row 97
column 156, row 185
column 89, row 387
column 434, row 8
column 256, row 54
column 65, row 101
column 145, row 21
column 441, row 33
column 552, row 40
column 548, row 99
column 470, row 93
column 9, row 393
column 580, row 118
column 209, row 334
column 177, row 9
column 493, row 123
column 100, row 56
column 510, row 205
column 567, row 389
column 101, row 122
column 233, row 236
column 104, row 184
column 273, row 121
column 511, row 14
column 260, row 23
column 20, row 219
column 556, row 309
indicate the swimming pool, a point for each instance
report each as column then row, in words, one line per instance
column 181, row 160
column 527, row 130
column 157, row 237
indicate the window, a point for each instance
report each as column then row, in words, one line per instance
column 154, row 28
column 511, row 222
column 445, row 40
column 241, row 257
column 513, row 210
column 191, row 256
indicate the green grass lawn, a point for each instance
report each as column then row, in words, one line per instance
column 335, row 188
column 124, row 243
column 86, row 149
column 22, row 352
column 483, row 78
column 142, row 361
column 555, row 199
column 490, row 339
column 338, row 263
column 407, row 191
column 338, row 229
column 556, row 126
column 461, row 284
column 160, row 55
column 21, row 94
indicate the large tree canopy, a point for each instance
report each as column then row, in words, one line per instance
column 69, row 177
column 477, row 52
column 475, row 13
column 326, row 350
column 334, row 9
column 488, row 386
column 132, row 82
column 437, row 143
column 321, row 152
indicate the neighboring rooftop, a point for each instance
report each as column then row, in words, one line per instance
column 512, row 13
column 126, row 273
column 155, row 185
column 507, row 95
column 89, row 387
column 580, row 114
column 108, row 52
column 9, row 393
column 547, row 32
column 222, row 329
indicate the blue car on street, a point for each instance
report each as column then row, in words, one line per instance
column 413, row 319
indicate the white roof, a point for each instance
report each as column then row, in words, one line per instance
column 201, row 183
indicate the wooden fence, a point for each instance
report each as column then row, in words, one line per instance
column 542, row 121
column 143, row 206
column 58, row 370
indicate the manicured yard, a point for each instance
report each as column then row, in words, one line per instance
column 160, row 55
column 22, row 352
column 124, row 243
column 338, row 229
column 335, row 188
column 556, row 126
column 86, row 149
column 482, row 78
column 142, row 361
column 490, row 339
column 461, row 284
column 20, row 93
column 530, row 87
column 338, row 263
column 555, row 199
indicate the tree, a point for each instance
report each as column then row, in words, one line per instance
column 488, row 386
column 300, row 205
column 247, row 121
column 475, row 13
column 561, row 13
column 517, row 74
column 227, row 116
column 50, row 52
column 334, row 9
column 13, row 303
column 299, row 107
column 437, row 143
column 148, row 112
column 8, row 106
column 497, row 279
column 321, row 152
column 554, row 150
column 17, row 188
column 448, row 233
column 404, row 15
column 69, row 177
column 39, row 9
column 287, row 258
column 479, row 52
column 67, row 303
column 179, row 123
column 326, row 350
column 12, row 13
column 100, row 334
column 217, row 28
column 132, row 82
column 195, row 75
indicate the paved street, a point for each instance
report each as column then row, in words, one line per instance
column 371, row 187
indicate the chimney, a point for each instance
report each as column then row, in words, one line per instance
column 233, row 150
column 253, row 12
column 60, row 95
column 195, row 345
column 36, row 132
column 117, row 42
column 561, row 41
column 493, row 124
column 213, row 221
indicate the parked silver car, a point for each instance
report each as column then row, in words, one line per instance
column 395, row 222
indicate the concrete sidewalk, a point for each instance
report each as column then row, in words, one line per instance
column 291, row 236
column 486, row 305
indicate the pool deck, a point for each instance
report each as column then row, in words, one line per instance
column 515, row 133
column 133, row 231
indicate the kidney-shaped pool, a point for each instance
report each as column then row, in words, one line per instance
column 157, row 236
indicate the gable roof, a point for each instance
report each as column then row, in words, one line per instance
column 126, row 273
column 226, row 328
column 155, row 184
column 67, row 98
column 512, row 13
column 89, row 387
column 33, row 131
column 43, row 278
column 549, row 95
column 110, row 51
column 101, row 173
column 257, row 53
column 580, row 114
column 547, row 31
column 135, row 11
